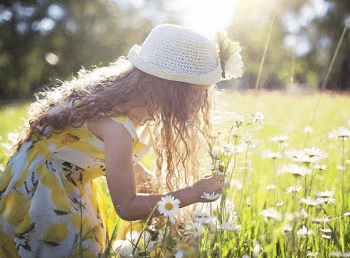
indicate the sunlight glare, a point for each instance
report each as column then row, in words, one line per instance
column 206, row 16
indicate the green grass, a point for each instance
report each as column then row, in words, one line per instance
column 11, row 119
column 284, row 114
column 288, row 115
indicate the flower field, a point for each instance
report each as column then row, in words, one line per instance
column 286, row 160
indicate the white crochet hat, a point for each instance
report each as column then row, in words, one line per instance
column 178, row 53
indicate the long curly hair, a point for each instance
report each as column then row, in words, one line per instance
column 101, row 89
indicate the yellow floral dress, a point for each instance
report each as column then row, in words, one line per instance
column 50, row 204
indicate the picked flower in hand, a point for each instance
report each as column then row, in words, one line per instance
column 210, row 196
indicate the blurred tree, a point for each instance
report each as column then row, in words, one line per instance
column 329, row 30
column 304, row 37
column 41, row 40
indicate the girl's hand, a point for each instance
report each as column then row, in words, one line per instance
column 208, row 184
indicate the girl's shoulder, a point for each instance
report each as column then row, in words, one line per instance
column 100, row 127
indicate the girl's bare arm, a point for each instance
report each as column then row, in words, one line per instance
column 121, row 177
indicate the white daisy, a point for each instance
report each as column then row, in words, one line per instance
column 308, row 129
column 230, row 226
column 293, row 189
column 295, row 170
column 230, row 206
column 273, row 155
column 206, row 220
column 132, row 236
column 311, row 254
column 256, row 250
column 304, row 157
column 236, row 183
column 279, row 204
column 220, row 170
column 326, row 230
column 304, row 232
column 168, row 205
column 228, row 148
column 295, row 215
column 341, row 168
column 347, row 214
column 320, row 167
column 200, row 213
column 258, row 117
column 271, row 213
column 215, row 212
column 320, row 220
column 270, row 187
column 197, row 228
column 342, row 133
column 215, row 153
column 329, row 200
column 324, row 194
column 286, row 228
column 310, row 202
column 117, row 244
column 315, row 152
column 303, row 214
column 278, row 139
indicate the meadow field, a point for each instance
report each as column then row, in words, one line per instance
column 286, row 158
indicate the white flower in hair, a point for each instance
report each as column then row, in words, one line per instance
column 230, row 58
column 234, row 64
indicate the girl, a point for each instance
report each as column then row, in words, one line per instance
column 99, row 124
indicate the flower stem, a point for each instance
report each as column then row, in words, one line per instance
column 327, row 76
column 343, row 166
column 264, row 55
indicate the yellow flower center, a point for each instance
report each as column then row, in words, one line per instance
column 221, row 168
column 169, row 206
column 215, row 212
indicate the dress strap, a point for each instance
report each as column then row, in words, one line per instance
column 128, row 125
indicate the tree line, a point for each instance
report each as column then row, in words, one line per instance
column 41, row 40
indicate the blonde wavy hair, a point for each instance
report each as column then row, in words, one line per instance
column 177, row 146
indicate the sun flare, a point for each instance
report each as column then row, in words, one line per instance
column 208, row 16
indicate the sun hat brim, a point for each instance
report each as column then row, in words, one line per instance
column 204, row 79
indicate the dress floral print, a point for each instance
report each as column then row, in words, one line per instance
column 50, row 204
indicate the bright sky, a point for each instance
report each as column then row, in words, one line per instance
column 208, row 16
column 203, row 16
